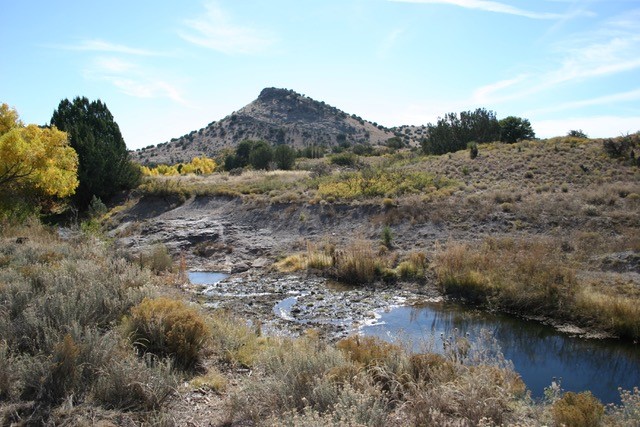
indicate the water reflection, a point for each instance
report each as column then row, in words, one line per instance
column 538, row 352
column 206, row 277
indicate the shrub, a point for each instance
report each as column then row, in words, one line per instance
column 294, row 369
column 414, row 267
column 473, row 150
column 233, row 341
column 167, row 327
column 130, row 383
column 577, row 410
column 628, row 412
column 357, row 264
column 284, row 156
column 158, row 259
column 386, row 236
column 368, row 351
column 623, row 147
column 344, row 159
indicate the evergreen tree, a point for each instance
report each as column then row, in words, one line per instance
column 104, row 164
column 284, row 156
column 513, row 129
column 453, row 133
column 261, row 155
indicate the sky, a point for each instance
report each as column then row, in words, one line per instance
column 165, row 68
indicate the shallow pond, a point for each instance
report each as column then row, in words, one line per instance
column 539, row 353
column 206, row 277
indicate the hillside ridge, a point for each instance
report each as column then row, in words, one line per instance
column 278, row 116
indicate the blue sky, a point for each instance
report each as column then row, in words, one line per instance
column 167, row 68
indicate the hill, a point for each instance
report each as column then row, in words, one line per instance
column 278, row 116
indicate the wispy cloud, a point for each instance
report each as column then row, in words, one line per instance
column 388, row 43
column 97, row 45
column 595, row 126
column 133, row 79
column 628, row 96
column 604, row 51
column 215, row 30
column 489, row 6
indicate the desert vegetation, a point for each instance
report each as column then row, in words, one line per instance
column 89, row 334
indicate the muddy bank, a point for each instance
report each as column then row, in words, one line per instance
column 231, row 234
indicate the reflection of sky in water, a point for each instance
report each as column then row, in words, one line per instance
column 206, row 277
column 538, row 352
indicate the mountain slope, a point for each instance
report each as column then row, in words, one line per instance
column 278, row 116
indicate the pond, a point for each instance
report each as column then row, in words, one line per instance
column 539, row 353
column 206, row 277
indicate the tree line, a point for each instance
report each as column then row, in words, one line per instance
column 455, row 132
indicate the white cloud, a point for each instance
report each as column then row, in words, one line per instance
column 97, row 45
column 595, row 127
column 489, row 6
column 388, row 43
column 133, row 79
column 632, row 95
column 214, row 30
column 605, row 51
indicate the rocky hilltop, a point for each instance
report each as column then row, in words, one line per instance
column 278, row 116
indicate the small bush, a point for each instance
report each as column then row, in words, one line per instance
column 386, row 236
column 357, row 264
column 473, row 150
column 577, row 410
column 212, row 380
column 628, row 412
column 233, row 341
column 158, row 259
column 368, row 351
column 167, row 327
column 344, row 159
column 414, row 267
column 129, row 383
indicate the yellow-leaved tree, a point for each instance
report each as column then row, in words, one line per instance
column 36, row 163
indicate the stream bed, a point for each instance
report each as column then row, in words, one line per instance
column 539, row 353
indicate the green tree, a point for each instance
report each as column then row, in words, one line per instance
column 577, row 134
column 513, row 129
column 37, row 165
column 453, row 133
column 284, row 156
column 261, row 155
column 243, row 151
column 104, row 164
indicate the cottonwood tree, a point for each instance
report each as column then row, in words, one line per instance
column 36, row 163
column 104, row 164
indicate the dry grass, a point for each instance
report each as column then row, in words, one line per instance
column 366, row 382
column 536, row 277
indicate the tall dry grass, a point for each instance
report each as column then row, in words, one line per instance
column 534, row 277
